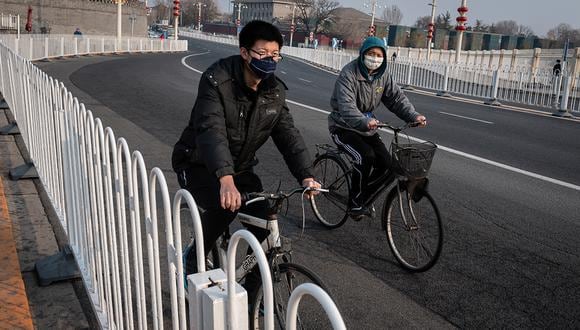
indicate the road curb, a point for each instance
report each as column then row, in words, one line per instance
column 14, row 310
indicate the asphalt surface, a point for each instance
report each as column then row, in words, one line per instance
column 512, row 223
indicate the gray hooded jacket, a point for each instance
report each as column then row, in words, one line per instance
column 356, row 96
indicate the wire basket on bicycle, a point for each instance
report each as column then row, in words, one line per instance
column 413, row 160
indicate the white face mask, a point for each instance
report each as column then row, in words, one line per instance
column 372, row 62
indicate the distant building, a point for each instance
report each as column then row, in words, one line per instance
column 525, row 42
column 265, row 10
column 399, row 35
column 473, row 40
column 509, row 42
column 491, row 41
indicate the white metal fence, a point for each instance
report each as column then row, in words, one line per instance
column 9, row 22
column 42, row 46
column 107, row 203
column 518, row 84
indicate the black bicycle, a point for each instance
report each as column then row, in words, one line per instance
column 410, row 216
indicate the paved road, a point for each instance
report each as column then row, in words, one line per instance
column 512, row 240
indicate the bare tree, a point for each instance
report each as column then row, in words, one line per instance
column 315, row 15
column 423, row 22
column 443, row 21
column 564, row 32
column 190, row 11
column 508, row 27
column 392, row 15
column 526, row 31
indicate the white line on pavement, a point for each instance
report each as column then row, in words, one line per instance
column 308, row 81
column 469, row 118
column 283, row 72
column 453, row 151
column 187, row 66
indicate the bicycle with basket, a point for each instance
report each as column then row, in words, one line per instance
column 410, row 217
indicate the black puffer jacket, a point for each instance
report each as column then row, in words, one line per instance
column 228, row 125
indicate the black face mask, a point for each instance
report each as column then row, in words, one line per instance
column 263, row 68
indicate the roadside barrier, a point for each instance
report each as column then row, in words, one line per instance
column 102, row 193
column 42, row 46
column 492, row 83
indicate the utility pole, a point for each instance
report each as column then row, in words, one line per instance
column 460, row 28
column 431, row 29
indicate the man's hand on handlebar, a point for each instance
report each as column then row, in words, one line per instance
column 421, row 120
column 373, row 124
column 230, row 198
column 311, row 183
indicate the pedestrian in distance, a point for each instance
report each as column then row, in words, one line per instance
column 557, row 69
column 240, row 104
column 360, row 88
column 77, row 32
column 394, row 57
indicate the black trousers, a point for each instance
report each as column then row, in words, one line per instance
column 205, row 188
column 369, row 154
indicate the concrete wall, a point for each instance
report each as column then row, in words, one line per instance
column 64, row 16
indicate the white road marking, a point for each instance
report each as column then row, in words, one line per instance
column 283, row 72
column 187, row 66
column 308, row 81
column 450, row 150
column 469, row 118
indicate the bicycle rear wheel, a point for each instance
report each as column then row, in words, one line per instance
column 310, row 314
column 331, row 208
column 414, row 229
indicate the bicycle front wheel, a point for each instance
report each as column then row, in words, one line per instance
column 331, row 208
column 414, row 229
column 284, row 280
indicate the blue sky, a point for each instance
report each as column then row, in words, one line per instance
column 540, row 15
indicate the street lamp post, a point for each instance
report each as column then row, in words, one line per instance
column 460, row 28
column 373, row 4
column 240, row 6
column 199, row 5
column 292, row 26
column 431, row 29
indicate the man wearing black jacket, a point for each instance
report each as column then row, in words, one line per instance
column 240, row 104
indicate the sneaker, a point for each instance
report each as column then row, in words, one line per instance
column 357, row 213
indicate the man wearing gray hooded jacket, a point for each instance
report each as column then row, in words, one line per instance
column 359, row 90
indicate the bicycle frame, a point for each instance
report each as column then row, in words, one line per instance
column 269, row 245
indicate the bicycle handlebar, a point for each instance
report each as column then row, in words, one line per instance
column 249, row 198
column 400, row 128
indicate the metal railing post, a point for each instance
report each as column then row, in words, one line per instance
column 444, row 92
column 264, row 272
column 409, row 76
column 322, row 297
column 61, row 47
column 563, row 111
column 495, row 86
